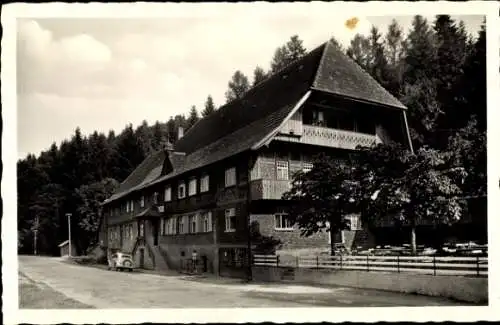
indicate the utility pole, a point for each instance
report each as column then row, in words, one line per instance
column 35, row 230
column 69, row 233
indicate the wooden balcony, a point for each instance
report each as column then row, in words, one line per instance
column 323, row 136
column 266, row 189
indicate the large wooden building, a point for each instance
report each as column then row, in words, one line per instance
column 231, row 168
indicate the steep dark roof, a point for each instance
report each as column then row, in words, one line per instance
column 232, row 144
column 149, row 170
column 340, row 75
column 268, row 96
column 243, row 123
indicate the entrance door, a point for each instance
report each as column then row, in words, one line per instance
column 156, row 232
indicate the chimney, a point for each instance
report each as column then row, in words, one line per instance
column 180, row 132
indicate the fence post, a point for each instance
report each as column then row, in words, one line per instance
column 398, row 263
column 477, row 265
column 277, row 260
column 317, row 262
column 297, row 261
column 434, row 263
column 368, row 263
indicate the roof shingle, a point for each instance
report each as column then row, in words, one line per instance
column 340, row 75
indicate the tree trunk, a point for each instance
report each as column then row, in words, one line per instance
column 332, row 239
column 413, row 240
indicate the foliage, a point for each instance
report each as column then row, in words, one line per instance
column 209, row 107
column 468, row 146
column 322, row 197
column 56, row 182
column 288, row 53
column 237, row 86
column 193, row 117
column 263, row 244
column 259, row 75
column 88, row 199
column 421, row 187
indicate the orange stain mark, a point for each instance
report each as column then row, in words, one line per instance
column 352, row 23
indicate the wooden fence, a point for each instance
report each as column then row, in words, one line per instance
column 471, row 266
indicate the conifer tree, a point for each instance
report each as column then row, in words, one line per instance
column 193, row 117
column 209, row 106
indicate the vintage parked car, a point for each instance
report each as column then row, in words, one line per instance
column 120, row 261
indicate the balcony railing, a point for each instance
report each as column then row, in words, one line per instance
column 328, row 137
column 336, row 138
column 264, row 189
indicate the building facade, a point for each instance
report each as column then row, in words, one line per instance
column 218, row 190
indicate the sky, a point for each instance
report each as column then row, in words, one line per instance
column 103, row 73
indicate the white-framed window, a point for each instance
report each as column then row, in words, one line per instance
column 230, row 220
column 192, row 223
column 132, row 206
column 168, row 194
column 282, row 222
column 127, row 206
column 181, row 190
column 355, row 222
column 155, row 197
column 143, row 201
column 192, row 186
column 204, row 183
column 230, row 178
column 307, row 167
column 282, row 170
column 206, row 221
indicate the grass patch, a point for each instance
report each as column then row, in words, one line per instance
column 34, row 295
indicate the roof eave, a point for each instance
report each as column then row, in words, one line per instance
column 268, row 138
column 365, row 101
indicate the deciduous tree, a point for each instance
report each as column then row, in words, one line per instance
column 321, row 198
column 288, row 53
column 237, row 87
column 259, row 75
